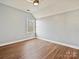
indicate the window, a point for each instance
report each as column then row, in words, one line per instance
column 30, row 24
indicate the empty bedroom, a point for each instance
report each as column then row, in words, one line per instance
column 39, row 29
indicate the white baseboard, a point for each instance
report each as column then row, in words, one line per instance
column 64, row 44
column 16, row 41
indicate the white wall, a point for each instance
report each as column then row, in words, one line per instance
column 13, row 24
column 62, row 28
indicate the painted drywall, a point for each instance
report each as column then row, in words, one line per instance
column 62, row 28
column 13, row 24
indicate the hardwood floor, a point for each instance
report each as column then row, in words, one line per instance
column 37, row 49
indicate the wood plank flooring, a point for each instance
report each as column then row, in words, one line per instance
column 37, row 49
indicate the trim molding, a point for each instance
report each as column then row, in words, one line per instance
column 60, row 43
column 4, row 44
column 13, row 7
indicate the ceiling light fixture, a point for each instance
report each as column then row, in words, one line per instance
column 36, row 2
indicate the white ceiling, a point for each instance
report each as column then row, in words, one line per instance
column 45, row 8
